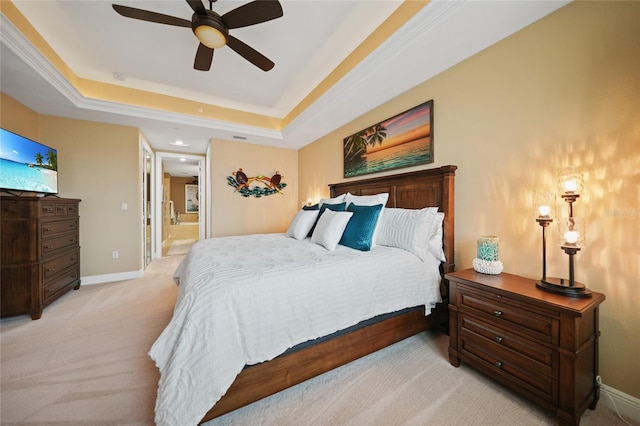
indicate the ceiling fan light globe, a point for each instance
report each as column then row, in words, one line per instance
column 210, row 36
column 210, row 30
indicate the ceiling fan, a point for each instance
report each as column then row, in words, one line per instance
column 212, row 30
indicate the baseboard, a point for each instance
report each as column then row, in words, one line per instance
column 625, row 405
column 109, row 278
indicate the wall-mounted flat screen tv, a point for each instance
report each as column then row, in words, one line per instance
column 26, row 165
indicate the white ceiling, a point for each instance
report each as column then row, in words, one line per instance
column 306, row 44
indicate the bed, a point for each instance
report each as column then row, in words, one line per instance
column 300, row 352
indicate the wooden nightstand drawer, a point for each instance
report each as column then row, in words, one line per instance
column 540, row 325
column 516, row 367
column 537, row 357
column 53, row 228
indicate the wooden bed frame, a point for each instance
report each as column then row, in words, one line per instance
column 414, row 190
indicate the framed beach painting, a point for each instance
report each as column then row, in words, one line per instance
column 191, row 201
column 403, row 140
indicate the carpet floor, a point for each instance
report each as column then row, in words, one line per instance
column 180, row 247
column 85, row 363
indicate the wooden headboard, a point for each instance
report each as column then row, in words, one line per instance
column 414, row 190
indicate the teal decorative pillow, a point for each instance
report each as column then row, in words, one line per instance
column 313, row 207
column 359, row 231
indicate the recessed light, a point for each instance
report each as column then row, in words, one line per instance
column 119, row 76
column 179, row 143
column 183, row 159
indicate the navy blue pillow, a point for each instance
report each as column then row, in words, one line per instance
column 335, row 207
column 359, row 231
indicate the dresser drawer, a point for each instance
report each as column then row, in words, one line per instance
column 69, row 277
column 506, row 364
column 52, row 228
column 58, row 208
column 53, row 267
column 53, row 244
column 539, row 325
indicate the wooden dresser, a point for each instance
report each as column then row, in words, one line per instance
column 40, row 258
column 541, row 345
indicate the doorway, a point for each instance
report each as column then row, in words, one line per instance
column 146, row 204
column 181, row 209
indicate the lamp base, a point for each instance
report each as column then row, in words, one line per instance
column 563, row 287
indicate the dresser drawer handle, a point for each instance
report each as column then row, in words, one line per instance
column 499, row 339
column 498, row 364
column 50, row 290
column 49, row 247
column 497, row 313
column 48, row 229
column 51, row 270
column 498, row 296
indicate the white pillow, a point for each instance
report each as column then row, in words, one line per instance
column 435, row 242
column 330, row 228
column 336, row 200
column 302, row 224
column 408, row 229
column 369, row 200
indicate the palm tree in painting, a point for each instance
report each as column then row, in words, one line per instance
column 38, row 159
column 355, row 146
column 376, row 134
column 52, row 159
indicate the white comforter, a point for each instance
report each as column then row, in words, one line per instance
column 244, row 300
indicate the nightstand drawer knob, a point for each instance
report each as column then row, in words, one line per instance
column 499, row 364
column 499, row 339
column 497, row 313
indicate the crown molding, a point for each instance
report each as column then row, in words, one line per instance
column 27, row 52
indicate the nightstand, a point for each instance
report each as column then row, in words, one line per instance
column 541, row 345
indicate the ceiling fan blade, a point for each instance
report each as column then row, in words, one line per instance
column 204, row 57
column 145, row 15
column 197, row 7
column 250, row 54
column 252, row 13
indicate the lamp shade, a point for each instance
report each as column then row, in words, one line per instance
column 571, row 232
column 544, row 205
column 570, row 181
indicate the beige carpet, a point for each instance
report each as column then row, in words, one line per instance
column 85, row 363
column 180, row 247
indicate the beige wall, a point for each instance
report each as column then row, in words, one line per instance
column 93, row 159
column 100, row 164
column 563, row 91
column 233, row 214
column 19, row 119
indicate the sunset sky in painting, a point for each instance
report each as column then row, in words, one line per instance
column 407, row 121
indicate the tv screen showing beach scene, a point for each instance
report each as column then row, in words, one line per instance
column 26, row 165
